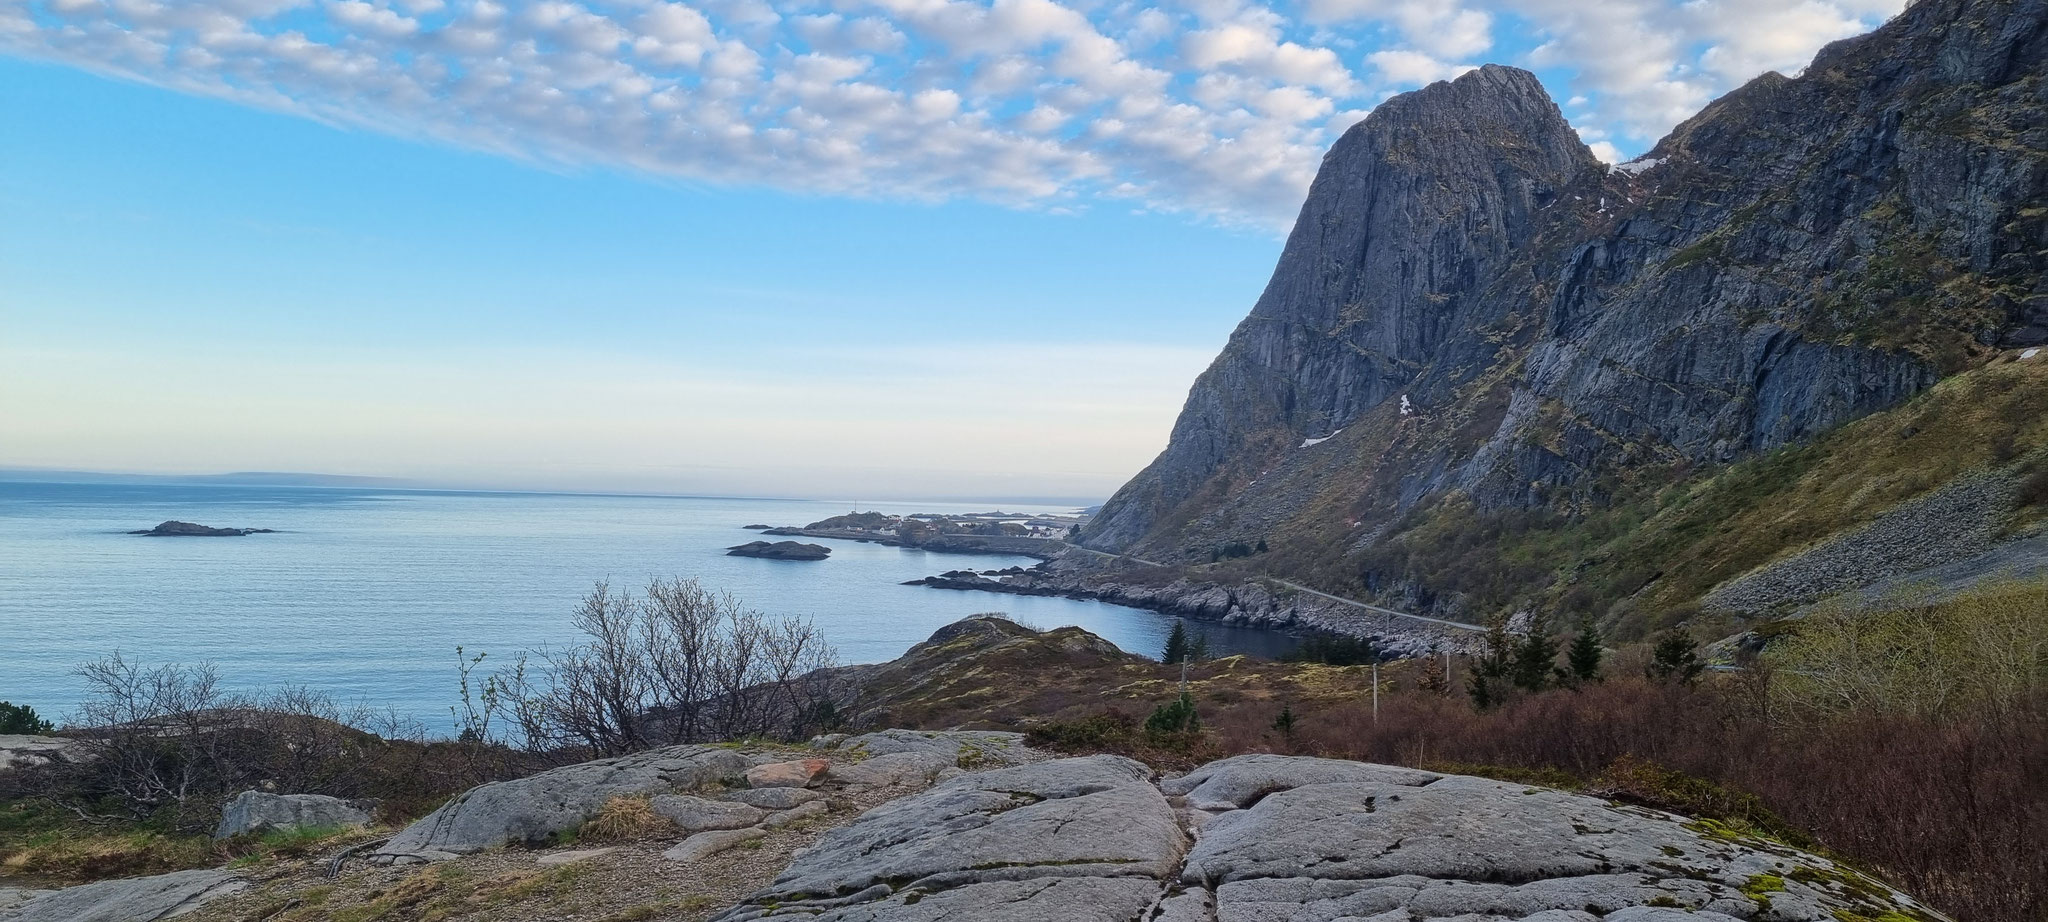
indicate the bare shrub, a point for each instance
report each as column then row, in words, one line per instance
column 679, row 664
column 1952, row 660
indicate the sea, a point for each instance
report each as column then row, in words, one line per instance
column 366, row 594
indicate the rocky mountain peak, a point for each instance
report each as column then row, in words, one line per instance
column 1470, row 306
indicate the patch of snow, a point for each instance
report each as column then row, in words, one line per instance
column 1307, row 442
column 1637, row 166
column 1407, row 409
column 2030, row 353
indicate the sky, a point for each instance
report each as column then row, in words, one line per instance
column 825, row 248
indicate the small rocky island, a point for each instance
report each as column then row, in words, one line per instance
column 779, row 550
column 176, row 529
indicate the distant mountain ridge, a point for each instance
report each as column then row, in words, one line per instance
column 237, row 478
column 1475, row 319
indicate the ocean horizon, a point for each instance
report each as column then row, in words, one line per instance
column 365, row 593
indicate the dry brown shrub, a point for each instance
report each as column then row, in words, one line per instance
column 626, row 819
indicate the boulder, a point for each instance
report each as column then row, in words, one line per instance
column 800, row 773
column 696, row 814
column 257, row 811
column 891, row 758
column 557, row 859
column 1068, row 839
column 539, row 808
column 795, row 814
column 705, row 844
column 134, row 899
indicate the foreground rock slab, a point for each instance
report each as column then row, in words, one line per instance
column 1264, row 838
column 1067, row 839
column 258, row 811
column 1322, row 840
column 136, row 899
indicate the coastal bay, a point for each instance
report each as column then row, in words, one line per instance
column 366, row 593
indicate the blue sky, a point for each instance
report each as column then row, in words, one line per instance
column 850, row 248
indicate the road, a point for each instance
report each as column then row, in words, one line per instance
column 1318, row 593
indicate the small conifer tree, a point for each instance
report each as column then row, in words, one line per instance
column 1675, row 659
column 1583, row 658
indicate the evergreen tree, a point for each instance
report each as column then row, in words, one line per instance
column 1535, row 656
column 20, row 718
column 1176, row 643
column 1490, row 669
column 1674, row 659
column 1262, row 545
column 1583, row 658
column 1174, row 717
column 1285, row 722
column 1198, row 646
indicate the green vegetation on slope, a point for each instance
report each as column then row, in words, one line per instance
column 1643, row 559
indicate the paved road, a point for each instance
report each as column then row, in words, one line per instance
column 1301, row 588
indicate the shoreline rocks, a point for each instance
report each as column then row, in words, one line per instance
column 176, row 529
column 779, row 550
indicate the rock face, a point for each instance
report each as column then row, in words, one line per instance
column 1266, row 838
column 780, row 550
column 257, row 811
column 189, row 530
column 538, row 808
column 1470, row 304
column 135, row 899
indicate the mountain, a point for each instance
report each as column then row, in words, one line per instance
column 1487, row 362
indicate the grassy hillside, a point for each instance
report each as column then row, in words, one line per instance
column 1643, row 555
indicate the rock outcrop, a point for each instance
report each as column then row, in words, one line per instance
column 27, row 750
column 717, row 796
column 134, row 899
column 542, row 807
column 1262, row 838
column 260, row 811
column 1471, row 305
column 779, row 550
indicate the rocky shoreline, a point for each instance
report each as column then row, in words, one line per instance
column 1089, row 577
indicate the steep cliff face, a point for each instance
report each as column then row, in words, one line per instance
column 1471, row 306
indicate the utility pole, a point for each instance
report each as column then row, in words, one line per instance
column 1184, row 661
column 1375, row 690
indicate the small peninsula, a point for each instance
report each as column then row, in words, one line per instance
column 779, row 550
column 176, row 529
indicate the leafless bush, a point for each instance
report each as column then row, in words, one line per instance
column 679, row 664
column 152, row 734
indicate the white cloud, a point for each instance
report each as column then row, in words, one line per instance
column 1413, row 68
column 1219, row 108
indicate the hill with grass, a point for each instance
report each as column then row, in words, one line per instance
column 1491, row 373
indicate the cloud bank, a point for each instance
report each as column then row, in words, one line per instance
column 1216, row 108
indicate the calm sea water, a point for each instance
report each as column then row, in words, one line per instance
column 366, row 593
